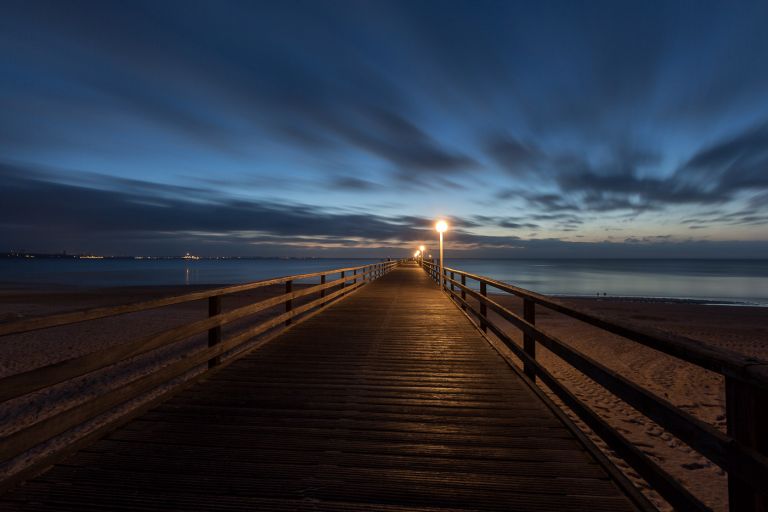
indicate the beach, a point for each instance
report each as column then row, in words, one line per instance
column 697, row 391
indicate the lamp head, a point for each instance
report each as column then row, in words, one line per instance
column 421, row 248
column 441, row 226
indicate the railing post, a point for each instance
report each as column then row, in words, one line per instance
column 214, row 333
column 483, row 307
column 463, row 291
column 452, row 278
column 322, row 292
column 288, row 302
column 343, row 282
column 354, row 273
column 746, row 412
column 529, row 342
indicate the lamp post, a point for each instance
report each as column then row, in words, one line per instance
column 421, row 250
column 441, row 228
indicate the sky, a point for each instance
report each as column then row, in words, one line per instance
column 345, row 128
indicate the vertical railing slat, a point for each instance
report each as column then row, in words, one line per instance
column 214, row 333
column 746, row 411
column 483, row 307
column 288, row 302
column 529, row 342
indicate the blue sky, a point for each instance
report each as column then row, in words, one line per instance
column 326, row 128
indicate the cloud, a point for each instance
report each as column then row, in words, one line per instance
column 505, row 222
column 64, row 209
column 734, row 164
column 392, row 137
column 152, row 220
column 715, row 175
column 353, row 183
column 513, row 155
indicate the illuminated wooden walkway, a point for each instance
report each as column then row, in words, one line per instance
column 389, row 400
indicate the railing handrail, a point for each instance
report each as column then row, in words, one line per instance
column 72, row 317
column 44, row 428
column 741, row 452
column 747, row 369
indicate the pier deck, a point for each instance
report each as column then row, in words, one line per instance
column 389, row 400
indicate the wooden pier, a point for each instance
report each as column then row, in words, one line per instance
column 388, row 400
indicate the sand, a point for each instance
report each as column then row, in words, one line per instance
column 743, row 329
column 693, row 389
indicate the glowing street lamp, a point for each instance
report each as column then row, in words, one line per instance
column 416, row 254
column 441, row 226
column 422, row 249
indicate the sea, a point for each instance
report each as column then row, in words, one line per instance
column 721, row 281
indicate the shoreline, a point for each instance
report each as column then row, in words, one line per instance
column 663, row 300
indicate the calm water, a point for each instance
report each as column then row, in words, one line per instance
column 717, row 280
column 102, row 273
column 714, row 280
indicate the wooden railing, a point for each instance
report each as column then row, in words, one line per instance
column 741, row 452
column 50, row 426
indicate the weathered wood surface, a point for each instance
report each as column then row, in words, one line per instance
column 390, row 400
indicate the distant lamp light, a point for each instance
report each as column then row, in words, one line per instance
column 441, row 228
column 422, row 249
column 416, row 254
